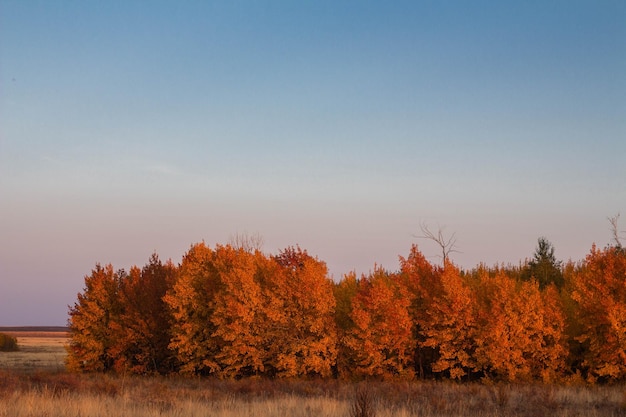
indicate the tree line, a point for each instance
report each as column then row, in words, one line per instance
column 232, row 311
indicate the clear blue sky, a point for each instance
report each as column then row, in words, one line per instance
column 128, row 127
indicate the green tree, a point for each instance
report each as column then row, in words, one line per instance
column 544, row 266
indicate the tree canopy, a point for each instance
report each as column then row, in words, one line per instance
column 231, row 311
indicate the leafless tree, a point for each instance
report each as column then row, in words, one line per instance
column 447, row 245
column 249, row 243
column 615, row 230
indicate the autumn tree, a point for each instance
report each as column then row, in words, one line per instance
column 520, row 333
column 419, row 278
column 300, row 315
column 191, row 300
column 142, row 331
column 551, row 358
column 599, row 291
column 92, row 319
column 570, row 308
column 450, row 324
column 217, row 304
column 381, row 341
column 344, row 291
column 239, row 313
column 236, row 318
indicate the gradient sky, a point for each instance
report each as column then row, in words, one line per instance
column 128, row 127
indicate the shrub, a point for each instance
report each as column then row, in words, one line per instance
column 8, row 343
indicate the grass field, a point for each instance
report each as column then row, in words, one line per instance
column 33, row 383
column 39, row 350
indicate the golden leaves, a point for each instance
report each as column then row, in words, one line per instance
column 231, row 312
column 599, row 293
column 380, row 341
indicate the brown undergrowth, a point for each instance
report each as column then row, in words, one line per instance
column 47, row 393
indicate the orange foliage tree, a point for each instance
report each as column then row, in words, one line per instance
column 450, row 325
column 300, row 316
column 599, row 291
column 520, row 332
column 380, row 341
column 142, row 331
column 237, row 320
column 238, row 313
column 216, row 303
column 191, row 300
column 420, row 280
column 345, row 291
column 92, row 319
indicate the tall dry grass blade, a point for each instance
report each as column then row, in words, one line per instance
column 363, row 404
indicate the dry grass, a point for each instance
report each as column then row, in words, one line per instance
column 63, row 394
column 363, row 404
column 37, row 351
column 32, row 383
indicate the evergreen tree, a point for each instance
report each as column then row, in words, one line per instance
column 544, row 267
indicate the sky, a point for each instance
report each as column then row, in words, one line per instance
column 133, row 127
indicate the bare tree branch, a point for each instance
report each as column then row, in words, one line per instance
column 249, row 243
column 615, row 230
column 447, row 245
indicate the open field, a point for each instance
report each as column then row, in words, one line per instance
column 33, row 383
column 40, row 349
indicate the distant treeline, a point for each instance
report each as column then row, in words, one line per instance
column 232, row 311
column 46, row 329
